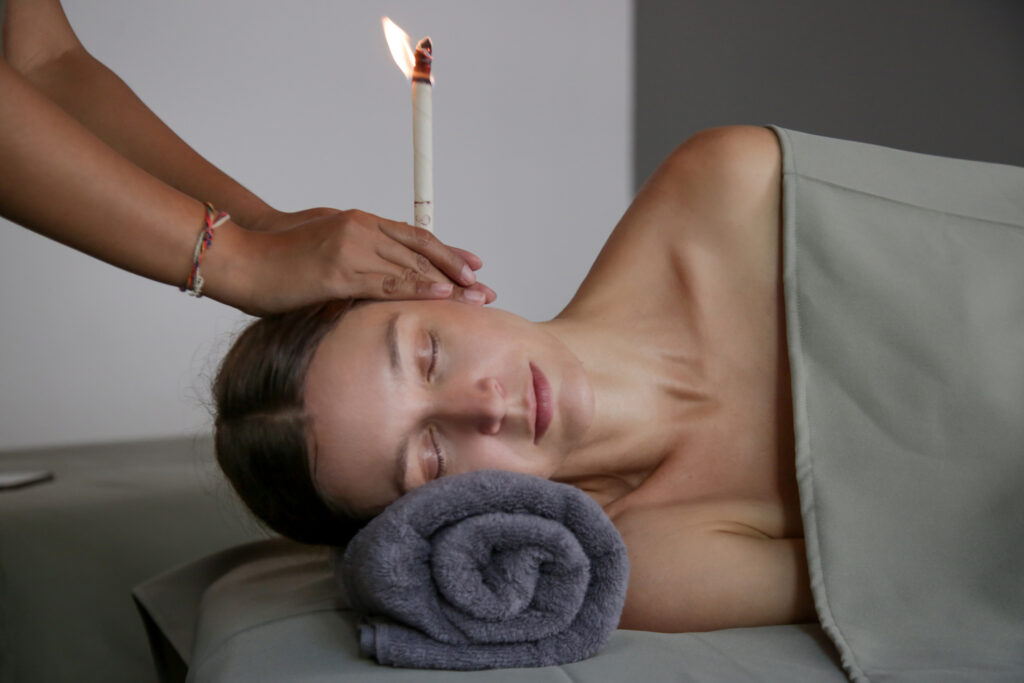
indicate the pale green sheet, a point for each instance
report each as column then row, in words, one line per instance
column 904, row 278
column 271, row 611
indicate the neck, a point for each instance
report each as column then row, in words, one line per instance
column 633, row 427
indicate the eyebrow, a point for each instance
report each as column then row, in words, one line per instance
column 401, row 456
column 391, row 337
column 395, row 358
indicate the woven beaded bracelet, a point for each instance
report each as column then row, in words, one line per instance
column 194, row 283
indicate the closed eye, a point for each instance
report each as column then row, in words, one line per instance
column 437, row 452
column 433, row 356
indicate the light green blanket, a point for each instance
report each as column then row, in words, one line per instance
column 904, row 277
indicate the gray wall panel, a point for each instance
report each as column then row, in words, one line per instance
column 937, row 76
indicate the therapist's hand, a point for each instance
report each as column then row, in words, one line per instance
column 319, row 254
column 275, row 221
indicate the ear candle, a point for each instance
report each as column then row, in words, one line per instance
column 422, row 137
column 416, row 66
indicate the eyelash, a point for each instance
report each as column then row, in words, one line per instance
column 437, row 451
column 434, row 350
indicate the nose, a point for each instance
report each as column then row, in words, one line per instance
column 480, row 405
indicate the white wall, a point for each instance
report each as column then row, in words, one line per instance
column 301, row 103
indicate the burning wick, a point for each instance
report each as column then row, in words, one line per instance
column 416, row 66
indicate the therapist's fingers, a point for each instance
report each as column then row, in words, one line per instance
column 415, row 270
column 444, row 258
column 408, row 264
column 489, row 294
column 474, row 261
column 407, row 285
column 477, row 294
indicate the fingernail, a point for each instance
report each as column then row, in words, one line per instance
column 474, row 296
column 441, row 288
column 468, row 276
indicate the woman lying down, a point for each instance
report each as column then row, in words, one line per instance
column 662, row 390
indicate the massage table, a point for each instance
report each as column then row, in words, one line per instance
column 71, row 550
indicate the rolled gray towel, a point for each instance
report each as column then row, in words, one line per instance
column 486, row 570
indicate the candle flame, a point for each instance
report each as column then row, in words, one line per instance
column 398, row 43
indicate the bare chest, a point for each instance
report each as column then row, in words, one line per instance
column 726, row 390
column 705, row 301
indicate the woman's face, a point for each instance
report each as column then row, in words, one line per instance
column 404, row 392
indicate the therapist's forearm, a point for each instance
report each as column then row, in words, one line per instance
column 103, row 103
column 61, row 180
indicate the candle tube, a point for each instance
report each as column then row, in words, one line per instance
column 422, row 137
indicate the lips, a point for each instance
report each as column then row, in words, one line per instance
column 544, row 405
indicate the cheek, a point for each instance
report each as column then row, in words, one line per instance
column 485, row 453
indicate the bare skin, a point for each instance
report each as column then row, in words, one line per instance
column 670, row 390
column 688, row 289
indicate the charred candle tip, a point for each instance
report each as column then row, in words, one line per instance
column 424, row 58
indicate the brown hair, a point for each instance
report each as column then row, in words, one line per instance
column 263, row 432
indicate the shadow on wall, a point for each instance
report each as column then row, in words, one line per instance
column 941, row 77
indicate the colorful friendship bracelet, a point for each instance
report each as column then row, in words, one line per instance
column 194, row 284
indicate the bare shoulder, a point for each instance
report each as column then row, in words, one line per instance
column 726, row 177
column 725, row 185
column 711, row 207
column 727, row 149
column 707, row 574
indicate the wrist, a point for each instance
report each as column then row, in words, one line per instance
column 247, row 210
column 265, row 220
column 228, row 268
